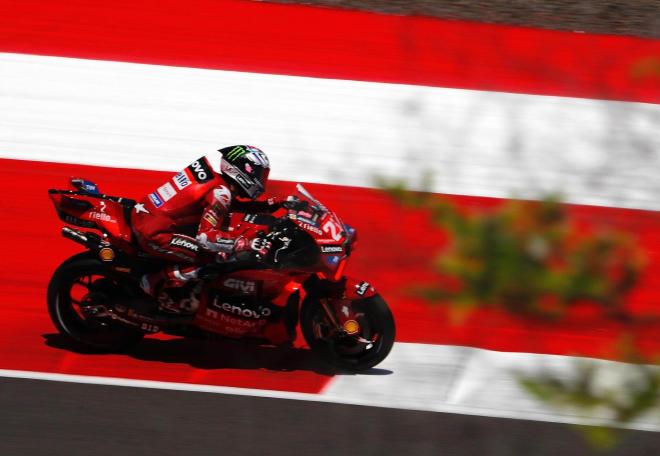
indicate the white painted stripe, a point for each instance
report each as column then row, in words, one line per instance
column 331, row 131
column 432, row 378
column 479, row 382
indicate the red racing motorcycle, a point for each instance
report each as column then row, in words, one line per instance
column 94, row 298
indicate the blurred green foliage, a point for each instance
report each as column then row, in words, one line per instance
column 528, row 258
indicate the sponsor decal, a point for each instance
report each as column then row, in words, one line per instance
column 201, row 171
column 139, row 207
column 238, row 325
column 246, row 286
column 326, row 241
column 309, row 227
column 89, row 187
column 250, row 218
column 242, row 180
column 333, row 229
column 219, row 245
column 225, row 242
column 149, row 328
column 222, row 195
column 166, row 191
column 122, row 269
column 332, row 249
column 86, row 186
column 181, row 180
column 362, row 288
column 244, row 308
column 351, row 327
column 211, row 219
column 184, row 243
column 106, row 254
column 101, row 216
column 181, row 255
column 332, row 260
column 307, row 220
column 76, row 221
column 245, row 312
column 155, row 200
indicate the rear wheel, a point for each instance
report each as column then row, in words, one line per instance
column 79, row 294
column 355, row 352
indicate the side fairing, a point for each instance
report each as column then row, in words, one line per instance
column 254, row 304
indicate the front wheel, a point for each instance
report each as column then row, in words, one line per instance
column 79, row 293
column 353, row 352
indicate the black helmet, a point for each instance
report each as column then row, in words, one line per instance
column 247, row 167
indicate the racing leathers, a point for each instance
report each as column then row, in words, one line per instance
column 195, row 197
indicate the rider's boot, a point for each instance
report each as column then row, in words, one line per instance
column 151, row 283
column 172, row 276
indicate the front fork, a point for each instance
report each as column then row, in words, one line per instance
column 336, row 300
column 343, row 320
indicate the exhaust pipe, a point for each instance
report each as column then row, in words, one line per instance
column 89, row 240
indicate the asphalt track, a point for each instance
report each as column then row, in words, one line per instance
column 42, row 417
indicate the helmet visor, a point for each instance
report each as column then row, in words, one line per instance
column 252, row 185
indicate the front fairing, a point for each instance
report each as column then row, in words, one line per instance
column 332, row 237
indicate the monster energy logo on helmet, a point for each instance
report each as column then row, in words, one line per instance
column 235, row 153
column 253, row 154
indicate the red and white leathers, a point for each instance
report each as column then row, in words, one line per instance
column 195, row 196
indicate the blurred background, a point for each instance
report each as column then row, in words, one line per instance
column 499, row 160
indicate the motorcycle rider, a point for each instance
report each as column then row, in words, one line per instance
column 200, row 196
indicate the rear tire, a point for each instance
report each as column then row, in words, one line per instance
column 79, row 284
column 377, row 324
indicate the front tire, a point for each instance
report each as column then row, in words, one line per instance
column 80, row 287
column 346, row 352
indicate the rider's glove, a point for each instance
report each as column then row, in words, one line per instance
column 261, row 246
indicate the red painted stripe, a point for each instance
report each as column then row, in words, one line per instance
column 394, row 251
column 321, row 42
